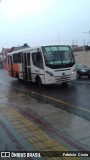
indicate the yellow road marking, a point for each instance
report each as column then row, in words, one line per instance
column 33, row 134
column 57, row 100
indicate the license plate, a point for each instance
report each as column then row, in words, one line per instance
column 63, row 78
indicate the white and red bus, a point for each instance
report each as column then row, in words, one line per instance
column 43, row 65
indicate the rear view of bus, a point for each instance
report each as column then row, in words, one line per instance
column 59, row 64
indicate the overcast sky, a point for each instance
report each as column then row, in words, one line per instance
column 39, row 22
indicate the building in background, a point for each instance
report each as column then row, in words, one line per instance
column 19, row 47
column 5, row 51
column 1, row 60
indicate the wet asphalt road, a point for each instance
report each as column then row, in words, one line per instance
column 74, row 97
column 32, row 124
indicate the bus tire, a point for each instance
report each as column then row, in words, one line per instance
column 38, row 81
column 88, row 76
column 78, row 75
column 64, row 83
column 17, row 76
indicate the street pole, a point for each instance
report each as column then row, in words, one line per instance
column 58, row 38
column 84, row 45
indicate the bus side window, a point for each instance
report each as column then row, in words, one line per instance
column 15, row 58
column 24, row 59
column 37, row 59
column 19, row 57
column 28, row 58
column 8, row 60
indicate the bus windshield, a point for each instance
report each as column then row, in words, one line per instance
column 58, row 56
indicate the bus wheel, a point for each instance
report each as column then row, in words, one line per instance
column 17, row 76
column 38, row 81
column 78, row 75
column 64, row 83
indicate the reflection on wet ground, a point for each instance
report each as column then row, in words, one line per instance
column 16, row 100
column 73, row 97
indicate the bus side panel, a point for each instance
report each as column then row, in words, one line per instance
column 20, row 70
column 15, row 70
column 9, row 70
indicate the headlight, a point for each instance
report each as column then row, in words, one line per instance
column 49, row 73
column 74, row 71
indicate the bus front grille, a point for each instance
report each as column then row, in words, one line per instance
column 62, row 78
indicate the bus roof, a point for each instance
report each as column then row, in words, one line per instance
column 24, row 49
column 32, row 48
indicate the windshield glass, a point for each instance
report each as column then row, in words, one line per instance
column 58, row 56
column 80, row 66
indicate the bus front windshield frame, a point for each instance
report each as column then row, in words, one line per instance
column 58, row 56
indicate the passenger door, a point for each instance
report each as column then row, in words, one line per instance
column 26, row 66
column 11, row 65
column 37, row 66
